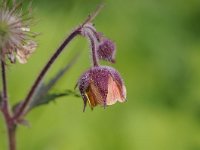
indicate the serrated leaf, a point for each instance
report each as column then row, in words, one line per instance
column 42, row 95
column 52, row 97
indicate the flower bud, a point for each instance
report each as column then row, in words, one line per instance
column 101, row 85
column 106, row 50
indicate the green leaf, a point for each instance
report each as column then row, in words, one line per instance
column 42, row 95
column 52, row 97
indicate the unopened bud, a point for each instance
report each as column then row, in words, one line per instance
column 107, row 50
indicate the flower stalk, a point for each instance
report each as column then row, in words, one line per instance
column 94, row 49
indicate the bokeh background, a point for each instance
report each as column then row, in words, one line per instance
column 158, row 55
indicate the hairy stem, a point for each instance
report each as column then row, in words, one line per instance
column 4, row 84
column 12, row 136
column 22, row 108
column 10, row 125
column 11, row 130
column 94, row 49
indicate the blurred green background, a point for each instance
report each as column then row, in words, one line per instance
column 158, row 55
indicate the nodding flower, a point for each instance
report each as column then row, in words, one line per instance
column 16, row 39
column 101, row 85
column 105, row 48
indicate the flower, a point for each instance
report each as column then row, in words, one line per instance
column 15, row 35
column 101, row 85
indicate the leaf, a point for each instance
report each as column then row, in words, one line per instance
column 42, row 96
column 51, row 97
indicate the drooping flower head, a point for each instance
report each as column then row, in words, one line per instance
column 105, row 48
column 101, row 85
column 16, row 39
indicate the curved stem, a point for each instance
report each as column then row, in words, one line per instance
column 22, row 108
column 94, row 49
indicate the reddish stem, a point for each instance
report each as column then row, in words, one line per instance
column 12, row 136
column 3, row 70
column 94, row 50
column 11, row 127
